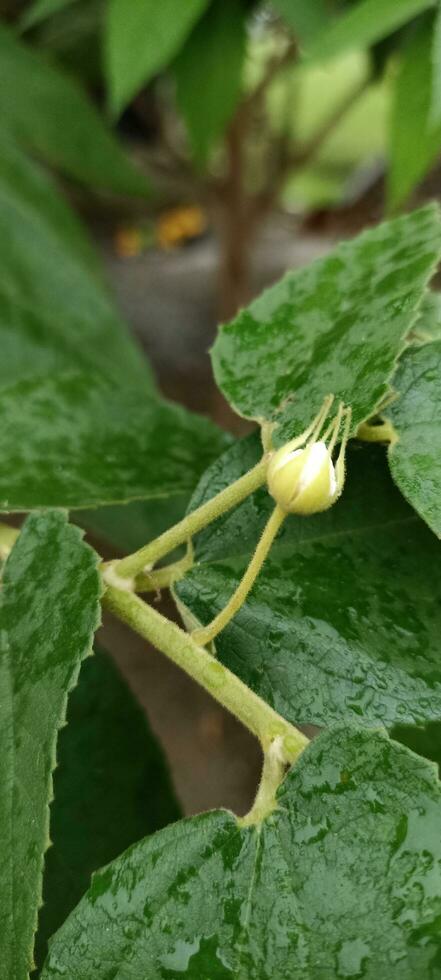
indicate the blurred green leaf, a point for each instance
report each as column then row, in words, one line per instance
column 363, row 24
column 415, row 457
column 47, row 111
column 49, row 611
column 414, row 139
column 208, row 73
column 39, row 10
column 129, row 526
column 142, row 37
column 344, row 619
column 55, row 309
column 339, row 881
column 334, row 326
column 111, row 787
column 435, row 107
column 305, row 17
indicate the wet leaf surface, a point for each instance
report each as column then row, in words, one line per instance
column 425, row 741
column 48, row 614
column 335, row 326
column 111, row 787
column 345, row 618
column 341, row 881
column 75, row 440
column 82, row 422
column 415, row 458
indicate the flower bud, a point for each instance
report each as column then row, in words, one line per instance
column 302, row 481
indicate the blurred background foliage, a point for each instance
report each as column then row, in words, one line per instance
column 228, row 109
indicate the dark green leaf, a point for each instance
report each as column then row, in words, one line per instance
column 339, row 882
column 363, row 24
column 76, row 440
column 48, row 614
column 415, row 139
column 111, row 788
column 41, row 9
column 415, row 457
column 55, row 311
column 48, row 112
column 208, row 74
column 425, row 741
column 335, row 326
column 305, row 18
column 345, row 618
column 129, row 526
column 142, row 37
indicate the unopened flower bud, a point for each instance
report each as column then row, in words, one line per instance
column 302, row 481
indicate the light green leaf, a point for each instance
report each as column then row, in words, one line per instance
column 142, row 37
column 335, row 326
column 49, row 611
column 208, row 74
column 39, row 10
column 344, row 620
column 305, row 18
column 339, row 881
column 76, row 440
column 111, row 787
column 415, row 457
column 415, row 140
column 36, row 102
column 363, row 24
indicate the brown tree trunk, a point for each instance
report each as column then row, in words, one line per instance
column 234, row 228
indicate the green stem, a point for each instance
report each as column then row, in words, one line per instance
column 192, row 523
column 207, row 633
column 163, row 578
column 272, row 775
column 220, row 682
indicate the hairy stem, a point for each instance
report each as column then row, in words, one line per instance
column 192, row 523
column 220, row 682
column 208, row 633
column 163, row 578
column 8, row 537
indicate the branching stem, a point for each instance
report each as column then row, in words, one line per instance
column 134, row 564
column 221, row 683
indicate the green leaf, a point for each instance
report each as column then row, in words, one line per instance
column 335, row 326
column 428, row 325
column 415, row 139
column 142, row 37
column 40, row 10
column 339, row 881
column 55, row 311
column 344, row 620
column 304, row 17
column 415, row 457
column 75, row 440
column 129, row 526
column 49, row 612
column 208, row 74
column 425, row 741
column 82, row 423
column 36, row 102
column 435, row 107
column 111, row 787
column 363, row 24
